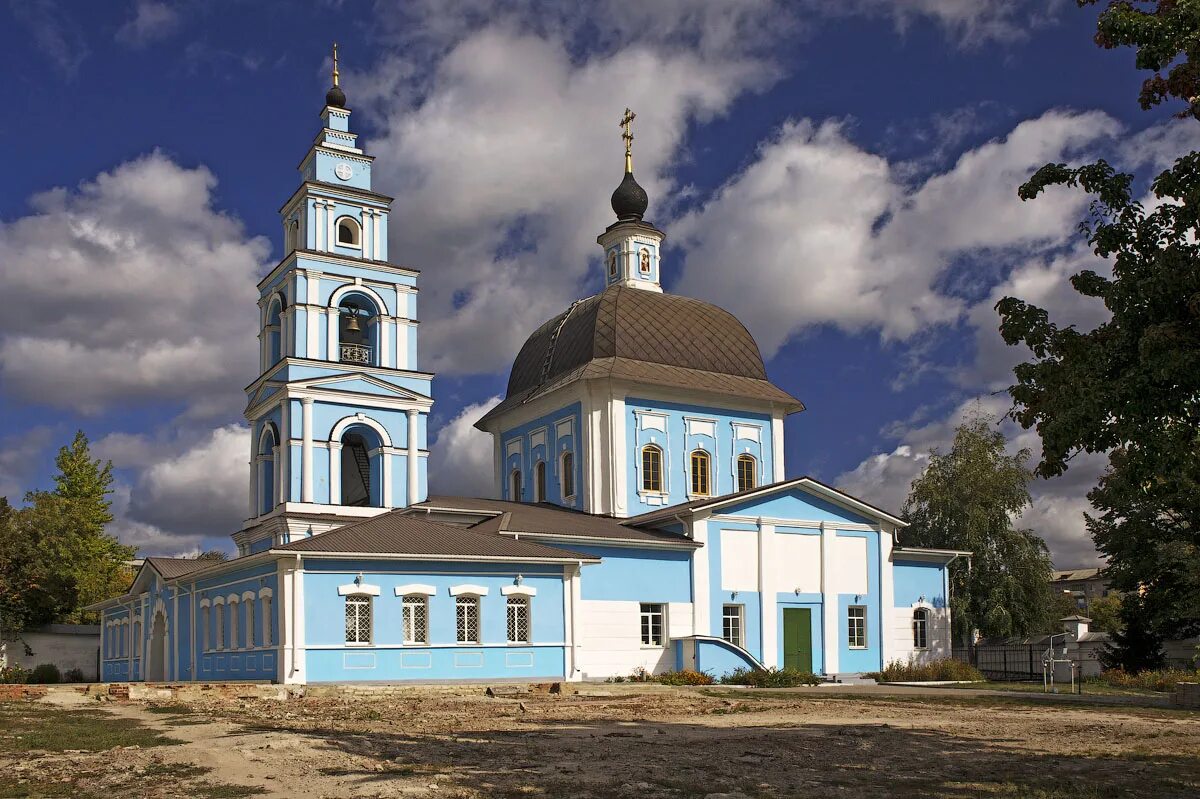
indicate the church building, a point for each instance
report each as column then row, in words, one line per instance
column 642, row 517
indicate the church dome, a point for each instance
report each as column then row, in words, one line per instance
column 335, row 97
column 637, row 326
column 629, row 200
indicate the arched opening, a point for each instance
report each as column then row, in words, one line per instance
column 267, row 473
column 539, row 482
column 349, row 234
column 293, row 235
column 514, row 485
column 652, row 481
column 568, row 475
column 701, row 473
column 747, row 472
column 156, row 670
column 358, row 330
column 273, row 332
column 362, row 467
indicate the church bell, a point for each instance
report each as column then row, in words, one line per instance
column 352, row 323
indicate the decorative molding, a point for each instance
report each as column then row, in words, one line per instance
column 469, row 589
column 415, row 588
column 358, row 589
column 518, row 590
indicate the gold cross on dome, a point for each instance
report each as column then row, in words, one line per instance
column 335, row 65
column 627, row 123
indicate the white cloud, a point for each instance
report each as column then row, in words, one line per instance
column 152, row 21
column 833, row 236
column 461, row 458
column 131, row 288
column 969, row 22
column 20, row 456
column 55, row 34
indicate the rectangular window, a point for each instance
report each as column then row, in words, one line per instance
column 856, row 628
column 568, row 474
column 651, row 470
column 747, row 469
column 920, row 629
column 467, row 608
column 416, row 619
column 654, row 626
column 358, row 620
column 731, row 624
column 518, row 619
column 266, row 620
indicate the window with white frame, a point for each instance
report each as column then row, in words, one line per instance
column 701, row 473
column 539, row 482
column 466, row 610
column 732, row 624
column 266, row 619
column 652, row 477
column 358, row 619
column 348, row 232
column 747, row 472
column 219, row 615
column 205, row 632
column 654, row 624
column 415, row 614
column 920, row 625
column 234, row 643
column 856, row 627
column 249, row 603
column 518, row 619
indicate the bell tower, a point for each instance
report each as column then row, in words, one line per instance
column 339, row 411
column 631, row 245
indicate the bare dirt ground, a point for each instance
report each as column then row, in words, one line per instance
column 632, row 743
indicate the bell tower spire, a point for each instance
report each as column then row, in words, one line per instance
column 631, row 245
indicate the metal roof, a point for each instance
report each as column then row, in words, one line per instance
column 171, row 568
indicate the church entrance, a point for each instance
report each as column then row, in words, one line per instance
column 797, row 639
column 156, row 656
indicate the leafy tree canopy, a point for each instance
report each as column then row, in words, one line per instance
column 967, row 499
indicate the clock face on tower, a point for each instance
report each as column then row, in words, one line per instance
column 343, row 171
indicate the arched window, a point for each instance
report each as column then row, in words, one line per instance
column 701, row 483
column 266, row 469
column 644, row 262
column 514, row 485
column 234, row 638
column 272, row 333
column 358, row 332
column 920, row 626
column 518, row 620
column 266, row 615
column 747, row 472
column 539, row 482
column 205, row 632
column 415, row 614
column 362, row 467
column 612, row 263
column 293, row 235
column 219, row 615
column 568, row 475
column 349, row 234
column 652, row 481
column 248, row 601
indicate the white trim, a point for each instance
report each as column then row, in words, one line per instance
column 335, row 298
column 517, row 590
column 415, row 588
column 335, row 434
column 358, row 589
column 468, row 589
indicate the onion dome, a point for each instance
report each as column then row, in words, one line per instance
column 335, row 97
column 629, row 201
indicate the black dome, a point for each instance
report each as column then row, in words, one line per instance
column 335, row 97
column 629, row 201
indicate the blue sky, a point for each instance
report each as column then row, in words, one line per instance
column 842, row 175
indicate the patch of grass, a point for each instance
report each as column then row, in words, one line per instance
column 214, row 790
column 176, row 771
column 26, row 727
column 770, row 678
column 943, row 670
column 1089, row 687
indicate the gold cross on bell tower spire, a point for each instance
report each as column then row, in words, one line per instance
column 335, row 65
column 627, row 123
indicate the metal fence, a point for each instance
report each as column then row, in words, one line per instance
column 1005, row 661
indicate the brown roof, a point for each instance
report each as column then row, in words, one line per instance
column 171, row 568
column 645, row 336
column 548, row 519
column 394, row 533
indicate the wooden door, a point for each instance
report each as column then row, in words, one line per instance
column 797, row 639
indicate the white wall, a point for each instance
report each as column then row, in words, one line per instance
column 611, row 639
column 65, row 650
column 797, row 563
column 937, row 634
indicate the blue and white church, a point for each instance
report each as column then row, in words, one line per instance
column 642, row 515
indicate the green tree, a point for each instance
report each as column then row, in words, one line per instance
column 967, row 499
column 1131, row 386
column 1105, row 613
column 85, row 481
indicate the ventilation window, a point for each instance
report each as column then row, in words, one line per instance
column 348, row 232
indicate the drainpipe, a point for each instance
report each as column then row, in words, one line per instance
column 295, row 586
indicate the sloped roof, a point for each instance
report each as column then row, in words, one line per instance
column 547, row 519
column 170, row 568
column 395, row 533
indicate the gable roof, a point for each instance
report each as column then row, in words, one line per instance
column 395, row 533
column 805, row 482
column 171, row 568
column 544, row 518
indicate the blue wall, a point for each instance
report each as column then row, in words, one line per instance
column 243, row 659
column 550, row 452
column 911, row 581
column 328, row 658
column 642, row 575
column 870, row 658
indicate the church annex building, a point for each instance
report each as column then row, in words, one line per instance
column 643, row 517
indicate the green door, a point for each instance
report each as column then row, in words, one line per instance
column 797, row 639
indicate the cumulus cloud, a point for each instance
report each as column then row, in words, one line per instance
column 461, row 458
column 131, row 288
column 833, row 236
column 152, row 21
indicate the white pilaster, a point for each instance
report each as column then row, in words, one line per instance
column 413, row 459
column 335, row 473
column 887, row 597
column 375, row 236
column 329, row 232
column 331, row 346
column 701, row 579
column 768, row 594
column 386, row 462
column 306, row 452
column 285, row 449
column 291, row 622
column 777, row 447
column 402, row 334
column 367, row 224
column 617, row 462
column 829, row 600
column 385, row 341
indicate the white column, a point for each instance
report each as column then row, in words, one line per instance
column 306, row 452
column 829, row 601
column 768, row 593
column 277, row 492
column 285, row 451
column 701, row 578
column 331, row 346
column 375, row 224
column 367, row 224
column 253, row 483
column 617, row 462
column 887, row 598
column 385, row 461
column 777, row 447
column 385, row 341
column 335, row 473
column 413, row 458
column 319, row 224
column 329, row 232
